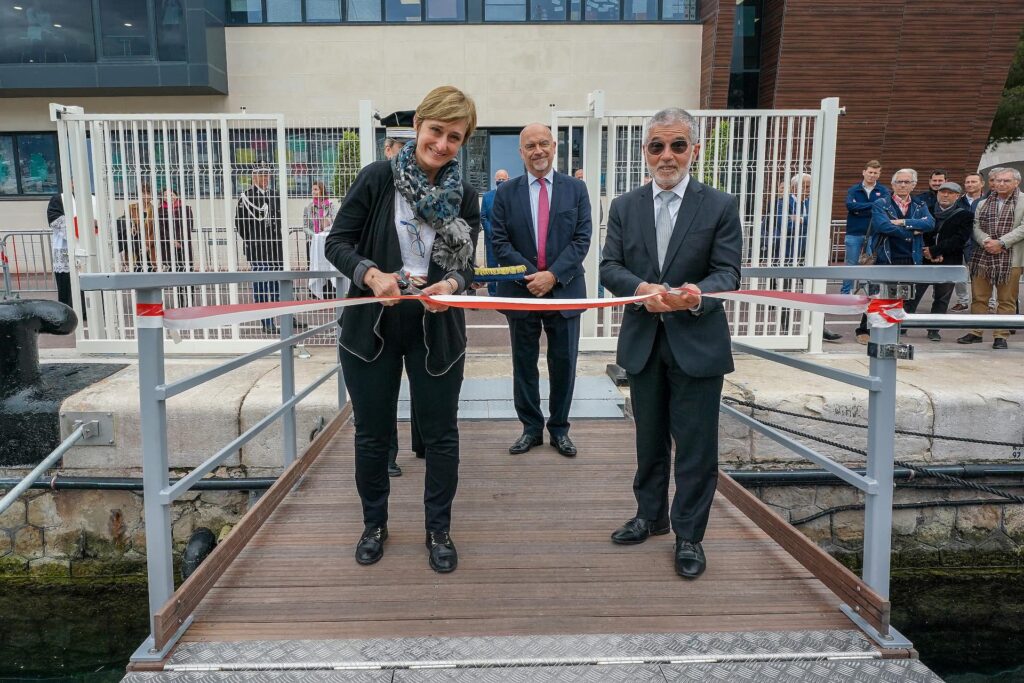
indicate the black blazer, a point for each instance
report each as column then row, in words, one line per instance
column 364, row 233
column 569, row 230
column 704, row 250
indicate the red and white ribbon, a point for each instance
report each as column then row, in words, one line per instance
column 149, row 315
column 885, row 312
column 197, row 317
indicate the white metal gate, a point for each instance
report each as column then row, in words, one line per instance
column 166, row 191
column 764, row 158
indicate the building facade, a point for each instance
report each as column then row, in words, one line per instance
column 920, row 81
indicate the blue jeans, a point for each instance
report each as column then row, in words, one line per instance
column 854, row 247
column 263, row 292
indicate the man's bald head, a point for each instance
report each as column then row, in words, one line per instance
column 537, row 149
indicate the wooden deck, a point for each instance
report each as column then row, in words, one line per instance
column 535, row 557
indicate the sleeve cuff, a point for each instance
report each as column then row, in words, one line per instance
column 459, row 280
column 360, row 272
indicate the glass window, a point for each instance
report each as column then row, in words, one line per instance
column 171, row 34
column 323, row 10
column 245, row 12
column 403, row 10
column 284, row 11
column 363, row 10
column 504, row 10
column 46, row 31
column 124, row 28
column 679, row 10
column 446, row 10
column 575, row 10
column 8, row 174
column 548, row 10
column 641, row 10
column 601, row 10
column 37, row 163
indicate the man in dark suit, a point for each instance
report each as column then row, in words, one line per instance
column 542, row 220
column 675, row 347
column 258, row 222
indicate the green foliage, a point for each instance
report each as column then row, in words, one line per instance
column 346, row 166
column 715, row 152
column 1008, row 124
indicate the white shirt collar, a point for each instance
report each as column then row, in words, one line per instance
column 679, row 189
column 549, row 177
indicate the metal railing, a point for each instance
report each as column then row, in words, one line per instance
column 26, row 260
column 884, row 349
column 83, row 430
column 154, row 392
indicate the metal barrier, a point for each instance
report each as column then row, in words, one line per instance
column 884, row 349
column 26, row 259
column 83, row 430
column 154, row 391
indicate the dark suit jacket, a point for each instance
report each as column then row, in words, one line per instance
column 704, row 250
column 569, row 229
column 364, row 234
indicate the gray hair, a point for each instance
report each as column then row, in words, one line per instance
column 999, row 170
column 912, row 172
column 798, row 178
column 672, row 115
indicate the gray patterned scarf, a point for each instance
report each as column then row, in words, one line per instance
column 437, row 205
column 994, row 267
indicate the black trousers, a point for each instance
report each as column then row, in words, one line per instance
column 670, row 405
column 563, row 335
column 417, row 441
column 63, row 281
column 374, row 388
column 941, row 293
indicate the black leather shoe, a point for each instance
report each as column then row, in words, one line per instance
column 970, row 338
column 638, row 529
column 829, row 335
column 370, row 547
column 690, row 560
column 999, row 343
column 394, row 470
column 443, row 556
column 525, row 443
column 564, row 445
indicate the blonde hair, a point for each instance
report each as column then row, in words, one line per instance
column 447, row 103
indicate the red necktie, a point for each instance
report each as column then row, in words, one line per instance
column 542, row 225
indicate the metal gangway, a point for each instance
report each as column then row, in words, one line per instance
column 539, row 585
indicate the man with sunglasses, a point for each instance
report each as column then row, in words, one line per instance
column 541, row 220
column 677, row 233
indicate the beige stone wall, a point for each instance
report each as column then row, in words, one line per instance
column 514, row 72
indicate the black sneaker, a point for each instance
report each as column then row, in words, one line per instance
column 999, row 343
column 969, row 338
column 933, row 335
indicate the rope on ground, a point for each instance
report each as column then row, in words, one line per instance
column 923, row 471
column 902, row 432
column 896, row 506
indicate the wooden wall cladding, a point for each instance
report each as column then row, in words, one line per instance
column 920, row 81
column 717, row 18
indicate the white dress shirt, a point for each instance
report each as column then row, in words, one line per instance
column 414, row 263
column 679, row 190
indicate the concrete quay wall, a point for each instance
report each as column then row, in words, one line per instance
column 77, row 533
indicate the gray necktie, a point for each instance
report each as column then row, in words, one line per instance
column 664, row 223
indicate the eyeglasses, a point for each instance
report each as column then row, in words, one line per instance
column 677, row 146
column 417, row 240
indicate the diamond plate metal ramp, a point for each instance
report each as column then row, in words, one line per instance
column 799, row 671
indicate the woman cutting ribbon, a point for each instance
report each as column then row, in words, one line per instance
column 415, row 217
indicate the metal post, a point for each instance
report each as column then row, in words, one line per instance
column 153, row 414
column 881, row 435
column 287, row 377
column 367, row 134
column 592, row 173
column 820, row 219
column 342, row 391
column 8, row 287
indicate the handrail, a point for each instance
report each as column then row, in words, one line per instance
column 82, row 430
column 158, row 492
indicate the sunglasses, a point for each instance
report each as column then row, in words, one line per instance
column 677, row 146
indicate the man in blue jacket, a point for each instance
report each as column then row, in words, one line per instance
column 541, row 220
column 486, row 209
column 859, row 200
